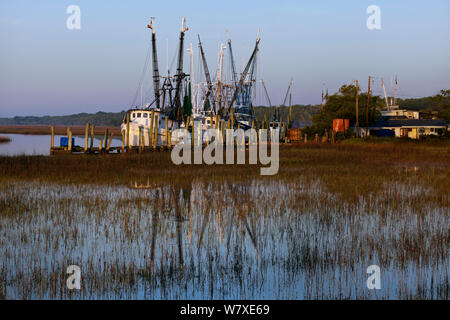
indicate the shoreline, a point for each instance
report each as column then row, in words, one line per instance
column 59, row 129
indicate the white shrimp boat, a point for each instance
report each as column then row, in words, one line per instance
column 140, row 120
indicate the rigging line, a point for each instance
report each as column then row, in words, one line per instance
column 144, row 71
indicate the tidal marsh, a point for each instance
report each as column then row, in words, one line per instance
column 225, row 232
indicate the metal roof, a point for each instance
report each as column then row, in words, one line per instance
column 397, row 123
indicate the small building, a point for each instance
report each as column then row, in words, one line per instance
column 411, row 128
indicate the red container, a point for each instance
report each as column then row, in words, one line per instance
column 295, row 134
column 340, row 125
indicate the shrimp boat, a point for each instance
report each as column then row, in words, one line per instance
column 151, row 124
column 156, row 123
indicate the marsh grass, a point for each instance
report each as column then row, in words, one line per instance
column 225, row 231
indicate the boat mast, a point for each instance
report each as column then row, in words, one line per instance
column 207, row 76
column 233, row 67
column 192, row 78
column 385, row 95
column 267, row 94
column 395, row 91
column 244, row 74
column 180, row 75
column 219, row 76
column 156, row 84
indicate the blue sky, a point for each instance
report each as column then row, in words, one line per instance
column 48, row 69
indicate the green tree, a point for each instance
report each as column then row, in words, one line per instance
column 187, row 104
column 443, row 99
column 342, row 105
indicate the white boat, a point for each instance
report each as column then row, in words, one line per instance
column 140, row 120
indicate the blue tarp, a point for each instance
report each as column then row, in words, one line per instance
column 64, row 142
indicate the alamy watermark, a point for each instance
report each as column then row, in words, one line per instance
column 374, row 20
column 73, row 22
column 374, row 280
column 233, row 140
column 74, row 280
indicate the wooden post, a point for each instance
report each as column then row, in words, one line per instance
column 306, row 138
column 106, row 137
column 128, row 130
column 232, row 118
column 167, row 130
column 86, row 137
column 316, row 138
column 69, row 135
column 92, row 136
column 109, row 141
column 52, row 139
column 170, row 139
column 100, row 145
column 123, row 141
column 152, row 119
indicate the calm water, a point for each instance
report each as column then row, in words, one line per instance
column 27, row 144
column 221, row 242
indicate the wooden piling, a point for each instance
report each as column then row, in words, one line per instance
column 167, row 130
column 152, row 120
column 52, row 139
column 69, row 135
column 86, row 137
column 170, row 139
column 316, row 138
column 306, row 138
column 109, row 141
column 232, row 118
column 123, row 141
column 92, row 136
column 105, row 138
